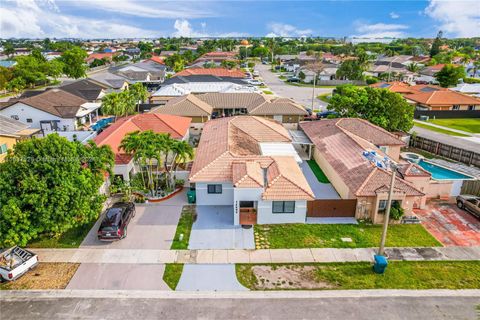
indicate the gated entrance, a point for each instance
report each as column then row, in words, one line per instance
column 331, row 208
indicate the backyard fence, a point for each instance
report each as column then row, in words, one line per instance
column 446, row 150
column 447, row 114
column 471, row 187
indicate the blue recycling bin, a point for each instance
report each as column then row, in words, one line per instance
column 380, row 264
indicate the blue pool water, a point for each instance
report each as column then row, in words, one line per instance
column 102, row 123
column 440, row 173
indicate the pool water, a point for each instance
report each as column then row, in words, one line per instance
column 441, row 173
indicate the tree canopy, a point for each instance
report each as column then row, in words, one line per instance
column 50, row 185
column 74, row 62
column 449, row 75
column 379, row 106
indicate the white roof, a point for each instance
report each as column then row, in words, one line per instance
column 87, row 108
column 180, row 89
column 81, row 136
column 279, row 149
column 467, row 88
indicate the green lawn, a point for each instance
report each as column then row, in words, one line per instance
column 399, row 275
column 468, row 125
column 172, row 274
column 70, row 239
column 267, row 92
column 324, row 97
column 329, row 235
column 439, row 130
column 317, row 171
column 184, row 227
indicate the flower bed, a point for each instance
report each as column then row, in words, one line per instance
column 159, row 199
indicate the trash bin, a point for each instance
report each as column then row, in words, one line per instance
column 191, row 196
column 380, row 265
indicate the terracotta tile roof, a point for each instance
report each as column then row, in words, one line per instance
column 342, row 143
column 412, row 169
column 101, row 55
column 54, row 101
column 188, row 105
column 219, row 72
column 177, row 127
column 157, row 59
column 256, row 104
column 395, row 86
column 220, row 54
column 442, row 98
column 379, row 182
column 229, row 151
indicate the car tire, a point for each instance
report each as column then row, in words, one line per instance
column 460, row 205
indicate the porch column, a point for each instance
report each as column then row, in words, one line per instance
column 309, row 152
column 90, row 118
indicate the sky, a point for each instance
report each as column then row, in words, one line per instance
column 240, row 18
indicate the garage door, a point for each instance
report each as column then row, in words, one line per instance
column 332, row 208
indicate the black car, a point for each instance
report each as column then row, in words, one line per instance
column 114, row 224
column 293, row 79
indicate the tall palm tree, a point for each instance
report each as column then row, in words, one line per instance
column 139, row 94
column 182, row 152
column 413, row 67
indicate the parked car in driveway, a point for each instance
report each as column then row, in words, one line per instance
column 325, row 114
column 255, row 82
column 293, row 79
column 15, row 262
column 469, row 203
column 114, row 224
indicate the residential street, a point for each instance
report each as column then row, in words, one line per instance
column 302, row 95
column 461, row 142
column 364, row 304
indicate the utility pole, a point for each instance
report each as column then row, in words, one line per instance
column 313, row 91
column 381, row 250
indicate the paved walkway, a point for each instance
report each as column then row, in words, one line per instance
column 251, row 256
column 209, row 277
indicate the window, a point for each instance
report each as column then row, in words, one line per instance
column 29, row 120
column 3, row 148
column 382, row 205
column 283, row 207
column 471, row 108
column 214, row 188
column 456, row 107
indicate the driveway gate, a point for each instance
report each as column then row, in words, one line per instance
column 331, row 208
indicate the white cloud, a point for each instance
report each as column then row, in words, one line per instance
column 147, row 8
column 38, row 19
column 183, row 28
column 286, row 30
column 456, row 18
column 381, row 30
column 394, row 15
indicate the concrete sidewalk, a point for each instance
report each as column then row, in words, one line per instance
column 252, row 256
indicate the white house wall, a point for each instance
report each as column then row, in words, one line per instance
column 25, row 112
column 223, row 199
column 266, row 216
column 244, row 194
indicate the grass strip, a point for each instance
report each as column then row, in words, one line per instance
column 317, row 171
column 172, row 274
column 184, row 227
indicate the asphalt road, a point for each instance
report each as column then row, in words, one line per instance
column 302, row 95
column 471, row 144
column 228, row 306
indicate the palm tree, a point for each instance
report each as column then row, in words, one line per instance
column 139, row 94
column 182, row 152
column 413, row 67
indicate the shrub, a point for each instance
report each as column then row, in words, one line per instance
column 396, row 211
column 471, row 80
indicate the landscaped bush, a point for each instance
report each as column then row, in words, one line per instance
column 396, row 211
column 471, row 80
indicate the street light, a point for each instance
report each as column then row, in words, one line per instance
column 386, row 219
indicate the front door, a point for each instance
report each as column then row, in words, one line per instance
column 248, row 213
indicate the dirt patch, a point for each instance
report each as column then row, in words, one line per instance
column 287, row 277
column 44, row 276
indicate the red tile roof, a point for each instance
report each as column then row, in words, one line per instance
column 157, row 60
column 443, row 97
column 395, row 86
column 176, row 126
column 342, row 143
column 219, row 72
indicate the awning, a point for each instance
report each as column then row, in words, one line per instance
column 299, row 137
column 279, row 149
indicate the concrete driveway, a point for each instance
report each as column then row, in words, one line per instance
column 302, row 95
column 450, row 225
column 153, row 227
column 321, row 190
column 209, row 277
column 214, row 229
column 111, row 276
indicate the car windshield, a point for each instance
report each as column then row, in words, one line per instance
column 108, row 228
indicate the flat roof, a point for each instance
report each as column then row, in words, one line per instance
column 299, row 137
column 279, row 149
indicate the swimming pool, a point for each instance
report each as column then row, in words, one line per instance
column 442, row 173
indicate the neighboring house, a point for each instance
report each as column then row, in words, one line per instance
column 86, row 89
column 233, row 168
column 472, row 89
column 329, row 72
column 340, row 146
column 176, row 127
column 215, row 57
column 109, row 79
column 203, row 107
column 11, row 131
column 167, row 92
column 101, row 55
column 157, row 59
column 52, row 110
column 428, row 97
column 396, row 66
column 218, row 72
column 394, row 86
column 147, row 71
